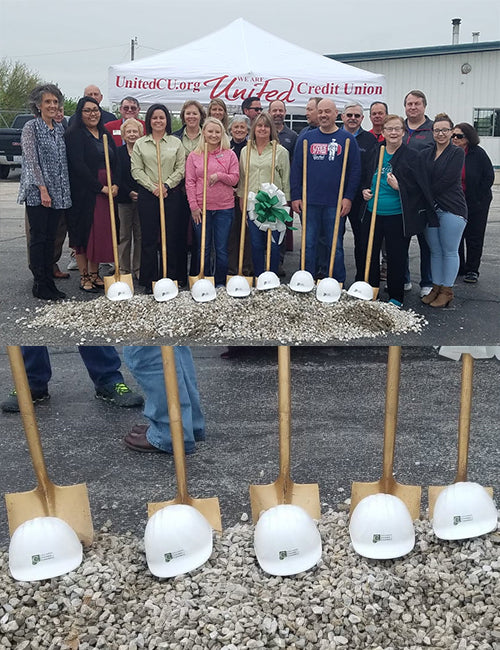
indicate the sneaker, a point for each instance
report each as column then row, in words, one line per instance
column 11, row 404
column 408, row 286
column 120, row 395
column 72, row 265
column 425, row 291
column 471, row 277
column 393, row 301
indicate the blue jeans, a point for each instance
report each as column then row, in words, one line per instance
column 218, row 227
column 258, row 239
column 425, row 263
column 444, row 242
column 102, row 363
column 320, row 224
column 145, row 363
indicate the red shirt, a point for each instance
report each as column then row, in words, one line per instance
column 114, row 128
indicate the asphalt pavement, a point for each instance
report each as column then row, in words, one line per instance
column 473, row 317
column 337, row 430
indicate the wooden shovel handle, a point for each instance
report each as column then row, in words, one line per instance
column 464, row 418
column 339, row 209
column 374, row 214
column 269, row 235
column 29, row 422
column 163, row 231
column 114, row 238
column 175, row 418
column 204, row 212
column 391, row 413
column 244, row 209
column 304, row 206
column 284, row 406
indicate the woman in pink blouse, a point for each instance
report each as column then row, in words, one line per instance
column 222, row 175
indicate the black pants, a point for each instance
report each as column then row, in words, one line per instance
column 43, row 224
column 149, row 215
column 389, row 227
column 471, row 246
column 354, row 217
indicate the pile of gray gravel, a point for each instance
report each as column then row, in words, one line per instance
column 280, row 316
column 441, row 595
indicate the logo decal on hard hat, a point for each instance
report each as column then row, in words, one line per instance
column 36, row 559
column 381, row 538
column 290, row 553
column 168, row 557
column 459, row 519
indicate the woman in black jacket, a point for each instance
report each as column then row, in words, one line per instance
column 443, row 164
column 478, row 176
column 403, row 209
column 89, row 222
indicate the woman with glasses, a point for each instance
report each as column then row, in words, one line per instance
column 89, row 222
column 403, row 208
column 477, row 178
column 443, row 165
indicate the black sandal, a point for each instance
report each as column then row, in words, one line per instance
column 86, row 284
column 96, row 280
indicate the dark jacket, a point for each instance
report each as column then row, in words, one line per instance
column 414, row 190
column 479, row 177
column 126, row 183
column 420, row 138
column 85, row 159
column 445, row 178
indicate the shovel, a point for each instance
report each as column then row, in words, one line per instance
column 363, row 289
column 235, row 284
column 165, row 289
column 69, row 503
column 202, row 288
column 329, row 289
column 302, row 281
column 460, row 491
column 123, row 285
column 409, row 494
column 284, row 490
column 209, row 508
column 269, row 279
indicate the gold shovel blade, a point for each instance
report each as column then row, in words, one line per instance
column 69, row 503
column 409, row 494
column 435, row 491
column 111, row 279
column 375, row 292
column 194, row 278
column 305, row 495
column 209, row 508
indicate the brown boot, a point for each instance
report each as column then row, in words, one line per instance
column 436, row 288
column 444, row 298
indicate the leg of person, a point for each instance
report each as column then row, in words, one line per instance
column 275, row 252
column 397, row 253
column 258, row 240
column 125, row 215
column 378, row 236
column 145, row 363
column 426, row 277
column 149, row 214
column 432, row 235
column 54, row 217
column 222, row 227
column 38, row 218
column 209, row 243
column 461, row 252
column 103, row 365
column 136, row 239
column 178, row 218
column 474, row 240
column 355, row 221
column 313, row 232
column 451, row 227
column 62, row 229
column 37, row 364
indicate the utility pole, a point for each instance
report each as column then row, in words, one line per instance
column 133, row 43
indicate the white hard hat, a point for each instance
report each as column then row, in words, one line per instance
column 177, row 539
column 286, row 540
column 203, row 290
column 165, row 289
column 267, row 280
column 238, row 287
column 302, row 281
column 381, row 527
column 328, row 290
column 119, row 291
column 464, row 510
column 361, row 290
column 43, row 547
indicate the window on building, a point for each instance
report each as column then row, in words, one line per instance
column 487, row 121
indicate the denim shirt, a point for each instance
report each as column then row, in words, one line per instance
column 44, row 163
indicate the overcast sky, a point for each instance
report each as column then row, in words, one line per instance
column 73, row 42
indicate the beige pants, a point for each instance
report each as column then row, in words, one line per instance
column 129, row 248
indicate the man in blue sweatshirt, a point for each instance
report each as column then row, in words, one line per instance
column 325, row 156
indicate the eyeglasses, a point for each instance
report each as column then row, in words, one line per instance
column 90, row 110
column 356, row 115
column 257, row 109
column 130, row 108
column 458, row 136
column 443, row 131
column 392, row 129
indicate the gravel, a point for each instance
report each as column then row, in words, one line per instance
column 441, row 595
column 278, row 316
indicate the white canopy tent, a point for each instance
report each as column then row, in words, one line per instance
column 239, row 61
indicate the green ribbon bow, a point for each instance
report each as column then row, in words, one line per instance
column 266, row 210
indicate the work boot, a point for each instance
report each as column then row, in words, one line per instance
column 42, row 291
column 444, row 298
column 435, row 291
column 11, row 404
column 49, row 281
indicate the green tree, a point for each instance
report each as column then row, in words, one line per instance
column 70, row 105
column 16, row 83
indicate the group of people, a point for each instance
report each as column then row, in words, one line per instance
column 434, row 181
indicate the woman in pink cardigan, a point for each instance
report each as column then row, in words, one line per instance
column 222, row 175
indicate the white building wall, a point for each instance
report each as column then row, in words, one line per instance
column 446, row 87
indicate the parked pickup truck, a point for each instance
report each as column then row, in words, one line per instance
column 10, row 144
